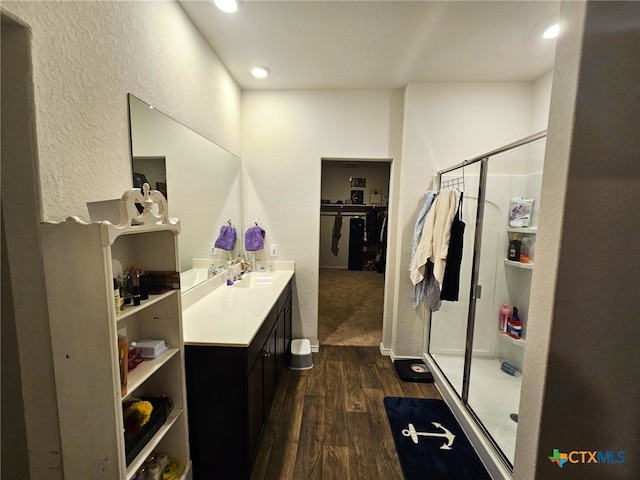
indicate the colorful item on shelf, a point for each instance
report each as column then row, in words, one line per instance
column 514, row 327
column 505, row 317
column 515, row 246
column 520, row 212
column 133, row 358
column 136, row 413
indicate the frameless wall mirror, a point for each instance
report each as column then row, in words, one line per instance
column 202, row 183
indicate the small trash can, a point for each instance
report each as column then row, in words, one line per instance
column 301, row 358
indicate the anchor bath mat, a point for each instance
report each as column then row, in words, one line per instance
column 430, row 443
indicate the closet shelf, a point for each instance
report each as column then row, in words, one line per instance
column 339, row 207
column 513, row 263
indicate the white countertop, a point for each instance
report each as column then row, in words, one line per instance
column 216, row 314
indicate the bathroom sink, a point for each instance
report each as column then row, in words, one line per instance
column 256, row 280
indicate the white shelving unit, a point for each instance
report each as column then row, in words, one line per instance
column 84, row 333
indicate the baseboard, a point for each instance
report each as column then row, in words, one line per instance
column 492, row 461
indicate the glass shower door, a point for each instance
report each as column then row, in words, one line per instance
column 448, row 332
column 497, row 357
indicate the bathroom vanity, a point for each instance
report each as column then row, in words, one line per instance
column 237, row 342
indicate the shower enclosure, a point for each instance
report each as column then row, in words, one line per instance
column 466, row 347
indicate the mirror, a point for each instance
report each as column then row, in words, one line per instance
column 202, row 183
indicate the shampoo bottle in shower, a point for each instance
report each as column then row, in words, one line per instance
column 514, row 249
column 505, row 317
column 515, row 325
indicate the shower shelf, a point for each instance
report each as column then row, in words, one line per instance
column 512, row 263
column 525, row 231
column 515, row 341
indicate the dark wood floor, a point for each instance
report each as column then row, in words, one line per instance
column 329, row 422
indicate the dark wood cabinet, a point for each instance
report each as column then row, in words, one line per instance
column 229, row 395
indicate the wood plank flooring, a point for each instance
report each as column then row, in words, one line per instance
column 329, row 422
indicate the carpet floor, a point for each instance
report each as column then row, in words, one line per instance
column 350, row 307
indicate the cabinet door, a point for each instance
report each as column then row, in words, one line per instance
column 283, row 338
column 270, row 359
column 255, row 405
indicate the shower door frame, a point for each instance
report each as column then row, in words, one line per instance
column 462, row 400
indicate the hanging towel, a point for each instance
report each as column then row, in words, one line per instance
column 227, row 238
column 254, row 239
column 434, row 243
column 419, row 289
column 335, row 237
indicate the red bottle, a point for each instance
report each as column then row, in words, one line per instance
column 505, row 318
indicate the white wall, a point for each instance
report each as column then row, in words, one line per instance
column 285, row 136
column 445, row 124
column 86, row 57
column 287, row 133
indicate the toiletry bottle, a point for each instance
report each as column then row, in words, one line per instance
column 505, row 317
column 127, row 287
column 515, row 325
column 135, row 285
column 116, row 295
column 514, row 249
column 143, row 283
column 229, row 274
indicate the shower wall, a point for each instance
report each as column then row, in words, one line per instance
column 499, row 283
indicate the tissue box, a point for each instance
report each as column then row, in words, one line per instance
column 150, row 348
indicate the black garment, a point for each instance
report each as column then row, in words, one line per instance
column 382, row 262
column 451, row 278
column 356, row 243
column 335, row 237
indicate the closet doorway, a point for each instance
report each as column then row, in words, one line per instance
column 353, row 212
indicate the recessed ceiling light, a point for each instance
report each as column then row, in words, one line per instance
column 259, row 71
column 228, row 6
column 552, row 32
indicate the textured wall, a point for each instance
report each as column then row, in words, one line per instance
column 86, row 57
column 581, row 388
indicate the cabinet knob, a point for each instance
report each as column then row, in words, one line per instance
column 267, row 353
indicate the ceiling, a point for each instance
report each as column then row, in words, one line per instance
column 378, row 44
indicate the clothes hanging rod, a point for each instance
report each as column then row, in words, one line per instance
column 519, row 143
column 343, row 214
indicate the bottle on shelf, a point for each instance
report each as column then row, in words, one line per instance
column 514, row 327
column 135, row 285
column 505, row 317
column 127, row 287
column 515, row 246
